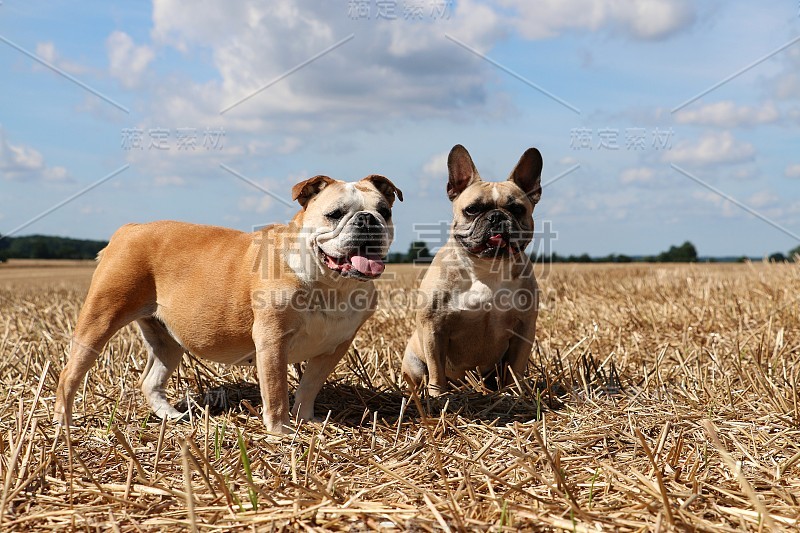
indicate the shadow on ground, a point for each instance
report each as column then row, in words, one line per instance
column 354, row 405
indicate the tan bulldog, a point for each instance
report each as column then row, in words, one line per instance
column 284, row 294
column 477, row 304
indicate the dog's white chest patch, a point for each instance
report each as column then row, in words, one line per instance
column 485, row 294
column 479, row 296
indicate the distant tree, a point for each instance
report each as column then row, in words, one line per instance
column 685, row 253
column 46, row 247
column 794, row 253
column 396, row 257
column 777, row 257
column 622, row 258
column 418, row 250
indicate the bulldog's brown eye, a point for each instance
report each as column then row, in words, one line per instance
column 335, row 214
column 472, row 210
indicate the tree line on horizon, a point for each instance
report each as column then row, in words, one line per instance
column 49, row 247
column 685, row 253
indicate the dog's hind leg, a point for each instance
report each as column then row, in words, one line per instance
column 102, row 316
column 163, row 357
column 84, row 351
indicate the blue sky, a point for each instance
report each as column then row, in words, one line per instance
column 394, row 98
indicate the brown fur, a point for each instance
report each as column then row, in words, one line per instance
column 461, row 323
column 210, row 291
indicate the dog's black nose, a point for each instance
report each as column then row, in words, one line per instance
column 496, row 217
column 366, row 221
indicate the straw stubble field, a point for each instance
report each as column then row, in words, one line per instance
column 658, row 397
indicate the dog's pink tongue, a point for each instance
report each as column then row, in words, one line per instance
column 369, row 265
column 497, row 241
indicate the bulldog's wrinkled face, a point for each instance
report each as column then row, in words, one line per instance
column 348, row 225
column 493, row 219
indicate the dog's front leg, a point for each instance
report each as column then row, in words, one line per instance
column 434, row 346
column 271, row 367
column 317, row 371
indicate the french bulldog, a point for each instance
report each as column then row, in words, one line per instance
column 284, row 294
column 478, row 301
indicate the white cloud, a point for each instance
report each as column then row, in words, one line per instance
column 762, row 199
column 261, row 202
column 47, row 51
column 23, row 163
column 792, row 171
column 433, row 175
column 390, row 69
column 257, row 204
column 643, row 19
column 289, row 145
column 727, row 114
column 169, row 181
column 637, row 175
column 609, row 205
column 712, row 148
column 745, row 173
column 278, row 201
column 93, row 210
column 394, row 70
column 786, row 84
column 765, row 202
column 126, row 61
column 436, row 166
column 726, row 208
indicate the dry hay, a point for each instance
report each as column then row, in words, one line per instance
column 694, row 428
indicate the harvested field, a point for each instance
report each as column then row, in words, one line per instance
column 658, row 398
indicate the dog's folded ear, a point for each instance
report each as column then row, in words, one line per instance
column 528, row 174
column 461, row 170
column 306, row 190
column 385, row 187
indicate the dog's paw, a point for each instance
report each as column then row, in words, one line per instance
column 280, row 430
column 278, row 426
column 171, row 414
column 435, row 391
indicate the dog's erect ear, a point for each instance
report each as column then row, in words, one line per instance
column 462, row 171
column 528, row 174
column 306, row 190
column 385, row 187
